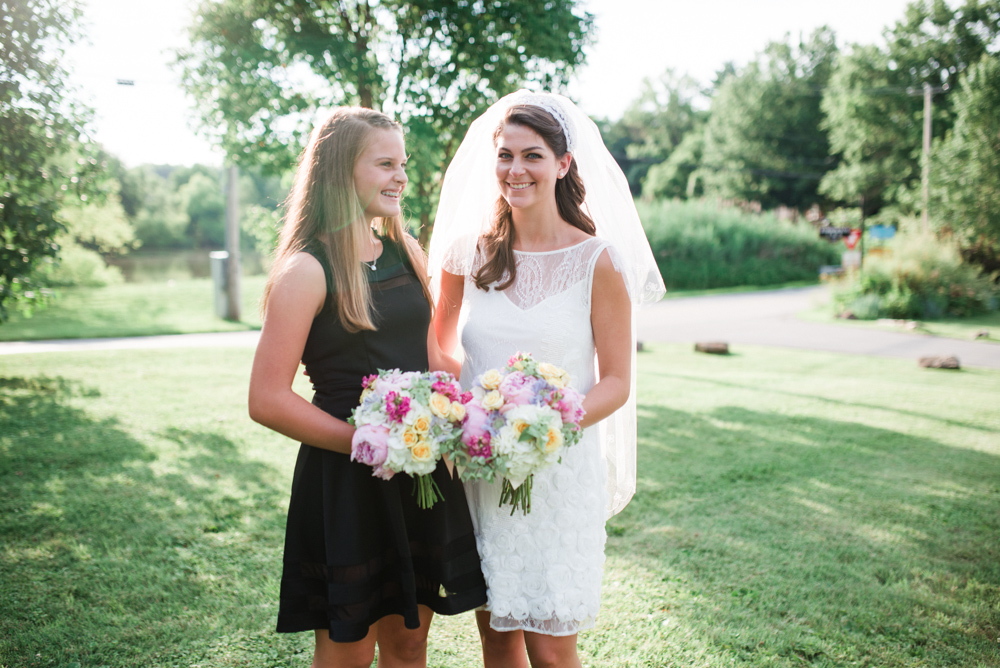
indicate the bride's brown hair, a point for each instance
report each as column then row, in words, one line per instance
column 497, row 244
column 323, row 209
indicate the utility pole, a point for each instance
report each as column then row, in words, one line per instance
column 233, row 272
column 925, row 177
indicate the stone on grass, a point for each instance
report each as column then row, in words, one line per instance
column 941, row 362
column 712, row 347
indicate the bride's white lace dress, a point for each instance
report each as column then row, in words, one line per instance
column 543, row 569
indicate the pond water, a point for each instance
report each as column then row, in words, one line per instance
column 178, row 265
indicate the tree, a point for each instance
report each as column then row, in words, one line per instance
column 966, row 167
column 260, row 69
column 874, row 104
column 676, row 177
column 764, row 141
column 39, row 124
column 654, row 125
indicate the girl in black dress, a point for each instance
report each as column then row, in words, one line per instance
column 347, row 295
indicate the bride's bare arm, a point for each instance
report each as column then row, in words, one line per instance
column 448, row 309
column 295, row 299
column 611, row 320
column 437, row 359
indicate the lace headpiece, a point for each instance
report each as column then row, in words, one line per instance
column 550, row 104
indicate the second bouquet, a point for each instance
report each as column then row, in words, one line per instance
column 520, row 419
column 405, row 422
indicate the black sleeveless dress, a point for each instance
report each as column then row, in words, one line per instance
column 358, row 548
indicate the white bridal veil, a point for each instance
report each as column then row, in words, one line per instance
column 467, row 197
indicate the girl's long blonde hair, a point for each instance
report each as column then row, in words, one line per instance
column 323, row 209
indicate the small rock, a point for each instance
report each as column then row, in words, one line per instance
column 982, row 334
column 942, row 362
column 847, row 315
column 638, row 346
column 712, row 348
column 911, row 324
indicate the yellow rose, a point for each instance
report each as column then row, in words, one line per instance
column 422, row 424
column 364, row 394
column 440, row 404
column 491, row 379
column 553, row 374
column 518, row 366
column 457, row 412
column 548, row 370
column 493, row 400
column 421, row 452
column 519, row 426
column 410, row 437
column 554, row 440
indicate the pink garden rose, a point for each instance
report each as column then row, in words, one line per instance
column 570, row 406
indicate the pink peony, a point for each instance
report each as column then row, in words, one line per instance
column 370, row 445
column 475, row 428
column 518, row 389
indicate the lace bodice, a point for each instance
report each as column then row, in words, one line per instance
column 543, row 569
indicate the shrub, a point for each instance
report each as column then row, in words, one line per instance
column 80, row 266
column 698, row 245
column 921, row 277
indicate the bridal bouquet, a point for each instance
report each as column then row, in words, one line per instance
column 405, row 422
column 519, row 420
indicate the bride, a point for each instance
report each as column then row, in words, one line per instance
column 537, row 248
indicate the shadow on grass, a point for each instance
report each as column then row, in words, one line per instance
column 806, row 541
column 116, row 553
column 926, row 413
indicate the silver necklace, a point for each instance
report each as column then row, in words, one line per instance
column 371, row 265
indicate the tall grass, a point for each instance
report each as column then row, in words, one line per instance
column 698, row 245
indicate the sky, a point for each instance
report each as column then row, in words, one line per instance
column 151, row 121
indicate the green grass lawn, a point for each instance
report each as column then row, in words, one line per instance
column 954, row 328
column 794, row 509
column 134, row 309
column 738, row 289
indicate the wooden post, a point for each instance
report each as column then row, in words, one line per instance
column 233, row 272
column 925, row 176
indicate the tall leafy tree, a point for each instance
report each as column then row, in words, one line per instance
column 764, row 139
column 966, row 167
column 260, row 69
column 40, row 124
column 654, row 125
column 874, row 104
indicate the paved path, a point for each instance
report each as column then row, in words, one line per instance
column 751, row 318
column 768, row 319
column 213, row 340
